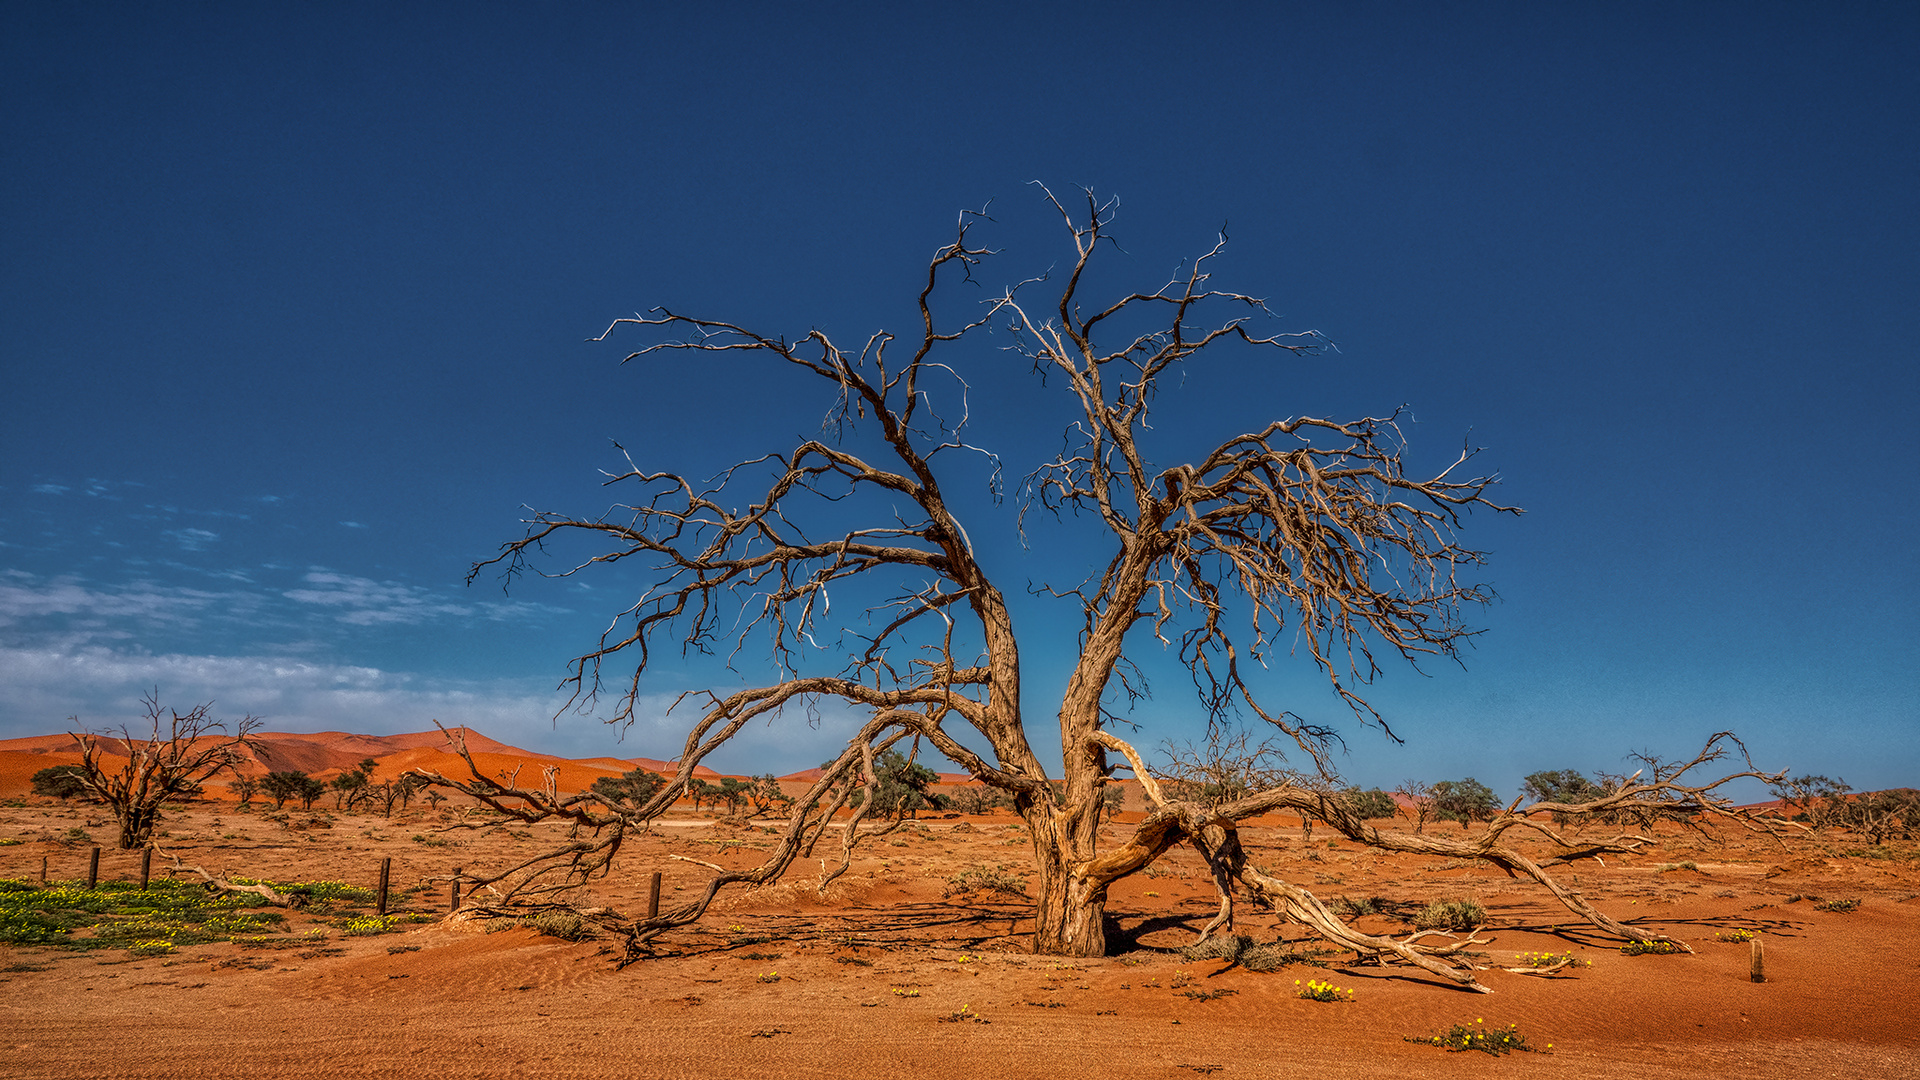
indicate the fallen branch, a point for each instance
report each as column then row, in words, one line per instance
column 263, row 890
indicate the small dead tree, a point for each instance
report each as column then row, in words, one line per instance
column 177, row 755
column 1305, row 534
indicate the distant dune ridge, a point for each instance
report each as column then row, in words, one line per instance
column 327, row 754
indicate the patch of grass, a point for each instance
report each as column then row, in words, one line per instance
column 966, row 1015
column 1315, row 990
column 1242, row 950
column 1349, row 909
column 769, row 977
column 117, row 914
column 156, row 947
column 1651, row 948
column 1450, row 915
column 556, row 923
column 1665, row 867
column 1478, row 1036
column 319, row 897
column 8, row 841
column 1839, row 906
column 1736, row 936
column 430, row 841
column 986, row 879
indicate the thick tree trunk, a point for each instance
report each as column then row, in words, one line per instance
column 1069, row 918
column 136, row 825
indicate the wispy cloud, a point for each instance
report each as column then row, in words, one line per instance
column 191, row 539
column 365, row 602
column 34, row 608
column 25, row 597
column 41, row 687
column 353, row 525
column 99, row 489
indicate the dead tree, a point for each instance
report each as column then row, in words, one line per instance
column 160, row 766
column 1305, row 534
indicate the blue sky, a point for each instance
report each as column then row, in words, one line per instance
column 296, row 300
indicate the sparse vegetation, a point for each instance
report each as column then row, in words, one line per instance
column 565, row 924
column 1551, row 960
column 1651, row 948
column 1315, row 990
column 1478, row 1036
column 1348, row 908
column 1450, row 915
column 987, row 879
column 1838, row 906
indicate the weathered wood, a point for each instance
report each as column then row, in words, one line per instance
column 146, row 868
column 386, row 874
column 456, row 888
column 1758, row 972
column 653, row 896
column 93, row 868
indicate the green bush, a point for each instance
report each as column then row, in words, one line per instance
column 62, row 782
column 1464, row 801
column 630, row 790
column 1372, row 803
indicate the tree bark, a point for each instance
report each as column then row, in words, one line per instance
column 1070, row 916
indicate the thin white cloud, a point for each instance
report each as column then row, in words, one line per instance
column 42, row 687
column 365, row 602
column 24, row 597
column 77, row 608
column 353, row 525
column 191, row 539
column 50, row 489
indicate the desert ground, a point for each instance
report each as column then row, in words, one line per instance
column 894, row 973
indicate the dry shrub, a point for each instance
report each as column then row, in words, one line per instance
column 1244, row 951
column 1450, row 915
column 795, row 894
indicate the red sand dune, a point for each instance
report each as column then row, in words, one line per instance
column 327, row 754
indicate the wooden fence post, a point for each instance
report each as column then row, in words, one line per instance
column 43, row 869
column 456, row 888
column 1759, row 970
column 93, row 869
column 146, row 868
column 386, row 872
column 653, row 896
